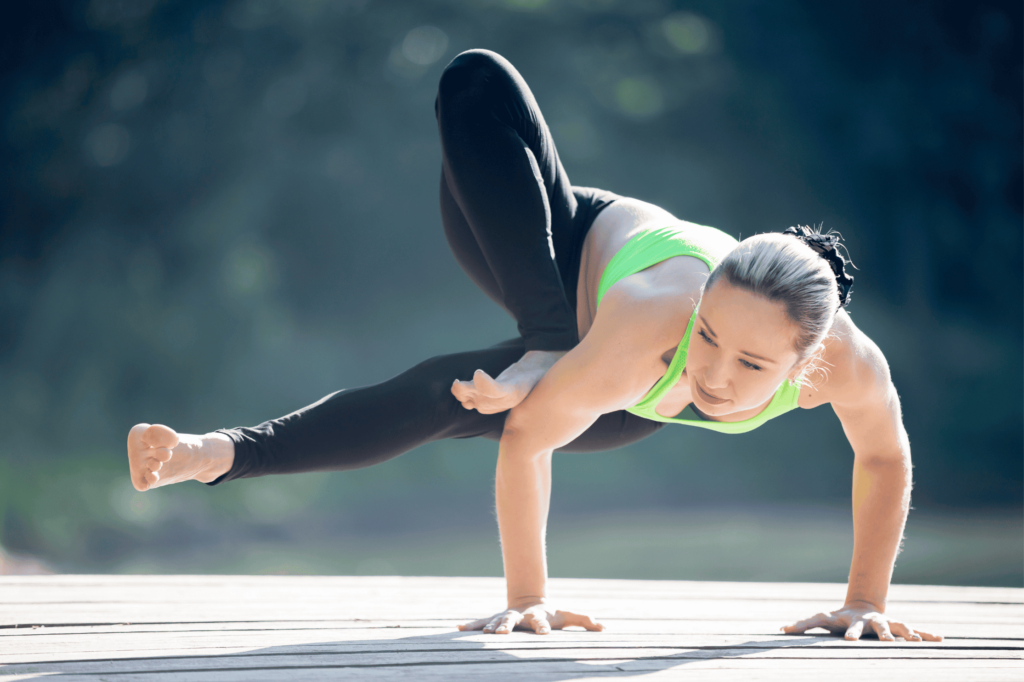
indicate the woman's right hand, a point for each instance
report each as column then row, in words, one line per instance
column 540, row 618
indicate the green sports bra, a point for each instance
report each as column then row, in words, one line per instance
column 710, row 245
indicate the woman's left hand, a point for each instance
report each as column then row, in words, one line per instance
column 856, row 617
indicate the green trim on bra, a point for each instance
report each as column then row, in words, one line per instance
column 710, row 245
column 650, row 248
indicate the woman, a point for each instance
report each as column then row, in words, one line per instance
column 612, row 297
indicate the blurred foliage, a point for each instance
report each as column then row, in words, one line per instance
column 216, row 213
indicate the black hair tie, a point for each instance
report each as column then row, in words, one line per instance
column 827, row 246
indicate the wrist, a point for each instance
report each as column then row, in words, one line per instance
column 864, row 604
column 525, row 602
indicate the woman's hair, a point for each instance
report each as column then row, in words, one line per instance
column 797, row 269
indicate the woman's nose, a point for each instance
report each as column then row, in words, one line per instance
column 715, row 376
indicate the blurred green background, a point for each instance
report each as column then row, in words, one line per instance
column 216, row 213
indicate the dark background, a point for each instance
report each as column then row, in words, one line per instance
column 216, row 213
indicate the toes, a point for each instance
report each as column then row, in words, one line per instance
column 459, row 390
column 135, row 437
column 488, row 386
column 160, row 436
column 161, row 455
column 151, row 478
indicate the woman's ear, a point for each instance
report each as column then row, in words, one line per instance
column 808, row 366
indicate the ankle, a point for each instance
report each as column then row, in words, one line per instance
column 542, row 357
column 219, row 452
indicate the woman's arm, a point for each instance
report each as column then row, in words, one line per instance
column 864, row 398
column 612, row 368
column 870, row 414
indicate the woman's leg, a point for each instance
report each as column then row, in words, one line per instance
column 506, row 203
column 359, row 427
column 508, row 213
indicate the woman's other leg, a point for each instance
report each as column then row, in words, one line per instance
column 359, row 427
column 506, row 203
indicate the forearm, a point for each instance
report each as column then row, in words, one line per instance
column 881, row 500
column 522, row 498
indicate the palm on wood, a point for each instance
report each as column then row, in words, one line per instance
column 539, row 618
column 855, row 620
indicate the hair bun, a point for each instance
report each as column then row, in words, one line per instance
column 827, row 246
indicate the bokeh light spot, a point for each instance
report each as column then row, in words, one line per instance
column 108, row 144
column 129, row 92
column 639, row 97
column 424, row 45
column 687, row 32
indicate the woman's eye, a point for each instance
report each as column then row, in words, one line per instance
column 705, row 337
column 749, row 365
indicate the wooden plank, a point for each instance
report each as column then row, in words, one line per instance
column 92, row 587
column 192, row 628
column 732, row 670
column 153, row 646
column 380, row 627
column 512, row 660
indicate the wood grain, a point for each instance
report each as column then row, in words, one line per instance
column 222, row 628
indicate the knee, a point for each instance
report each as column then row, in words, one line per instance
column 471, row 72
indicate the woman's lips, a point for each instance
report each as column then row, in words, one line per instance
column 708, row 398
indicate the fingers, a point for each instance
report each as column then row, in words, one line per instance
column 911, row 634
column 854, row 632
column 160, row 436
column 904, row 631
column 820, row 620
column 504, row 623
column 475, row 625
column 587, row 622
column 539, row 623
column 881, row 628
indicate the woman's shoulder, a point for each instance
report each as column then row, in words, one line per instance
column 655, row 304
column 850, row 368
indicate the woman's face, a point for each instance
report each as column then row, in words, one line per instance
column 741, row 350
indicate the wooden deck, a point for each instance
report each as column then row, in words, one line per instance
column 219, row 628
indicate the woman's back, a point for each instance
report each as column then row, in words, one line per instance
column 612, row 229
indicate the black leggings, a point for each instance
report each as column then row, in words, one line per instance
column 516, row 226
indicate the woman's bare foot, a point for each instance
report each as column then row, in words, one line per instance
column 489, row 396
column 158, row 455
